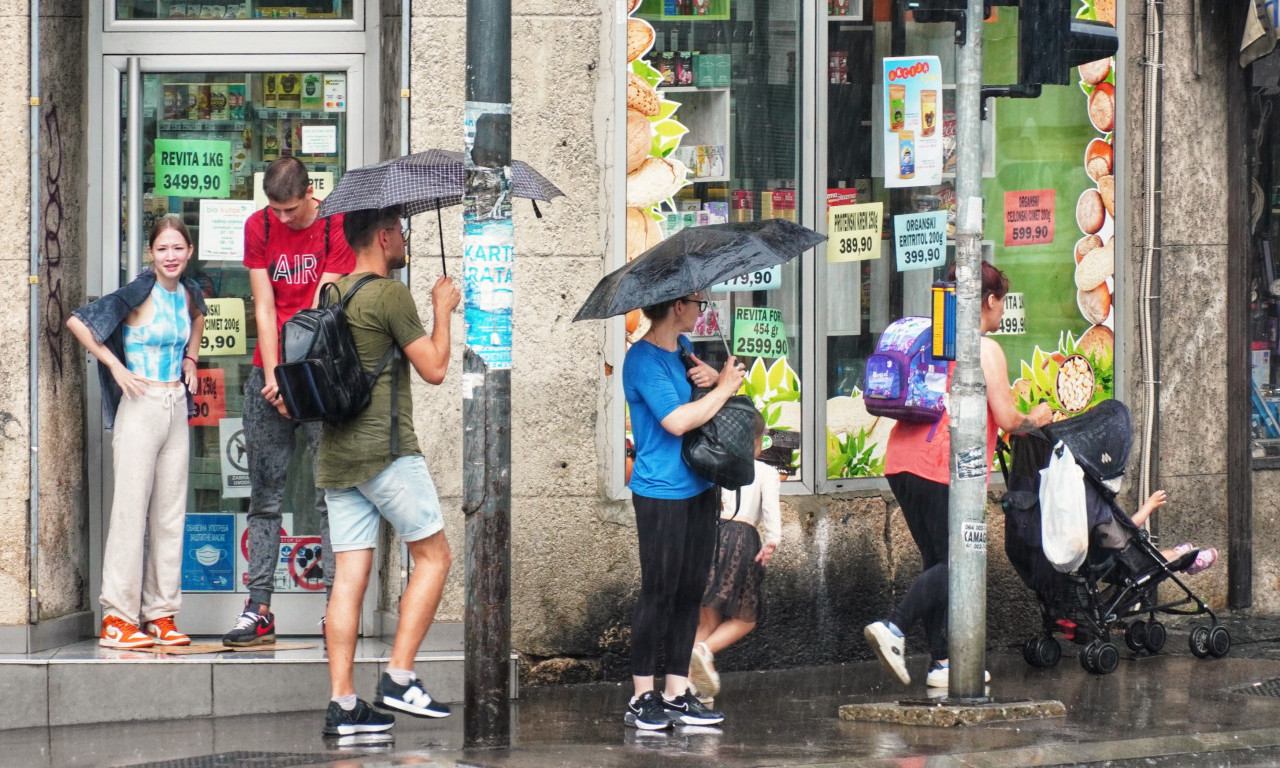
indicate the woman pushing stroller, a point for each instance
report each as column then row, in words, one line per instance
column 917, row 466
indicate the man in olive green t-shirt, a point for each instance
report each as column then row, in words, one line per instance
column 364, row 482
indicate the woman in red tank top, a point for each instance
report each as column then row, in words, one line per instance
column 918, row 471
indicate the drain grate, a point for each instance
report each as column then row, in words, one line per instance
column 1264, row 688
column 238, row 760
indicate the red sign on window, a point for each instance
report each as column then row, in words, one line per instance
column 1028, row 217
column 210, row 397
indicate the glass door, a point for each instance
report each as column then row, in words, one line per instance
column 193, row 137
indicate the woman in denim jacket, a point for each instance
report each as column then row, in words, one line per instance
column 146, row 337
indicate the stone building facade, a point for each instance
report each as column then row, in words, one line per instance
column 845, row 554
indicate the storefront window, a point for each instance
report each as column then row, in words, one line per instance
column 248, row 9
column 884, row 117
column 206, row 140
column 714, row 105
column 1049, row 200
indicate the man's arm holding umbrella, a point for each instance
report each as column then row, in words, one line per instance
column 693, row 415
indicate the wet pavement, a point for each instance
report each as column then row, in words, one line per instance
column 1166, row 710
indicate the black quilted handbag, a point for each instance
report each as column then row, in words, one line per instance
column 722, row 451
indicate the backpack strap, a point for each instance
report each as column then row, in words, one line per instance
column 266, row 225
column 393, row 352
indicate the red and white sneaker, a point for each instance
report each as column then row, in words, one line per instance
column 118, row 633
column 165, row 633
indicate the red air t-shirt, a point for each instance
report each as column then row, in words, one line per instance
column 294, row 259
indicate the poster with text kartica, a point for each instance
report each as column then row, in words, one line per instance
column 911, row 132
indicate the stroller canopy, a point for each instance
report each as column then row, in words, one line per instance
column 1100, row 438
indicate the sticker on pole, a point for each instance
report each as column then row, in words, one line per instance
column 971, row 464
column 488, row 236
column 975, row 535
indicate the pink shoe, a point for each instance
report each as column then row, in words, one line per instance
column 1205, row 559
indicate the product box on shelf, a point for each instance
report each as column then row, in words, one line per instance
column 671, row 225
column 711, row 70
column 235, row 101
column 778, row 204
column 270, row 140
column 742, row 206
column 841, row 196
column 219, row 107
column 312, row 91
column 289, row 85
column 270, row 90
column 684, row 67
column 715, row 160
column 665, row 63
column 718, row 212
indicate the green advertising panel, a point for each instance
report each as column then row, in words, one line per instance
column 1059, row 142
column 193, row 168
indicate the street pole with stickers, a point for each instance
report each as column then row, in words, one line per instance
column 488, row 241
column 967, row 567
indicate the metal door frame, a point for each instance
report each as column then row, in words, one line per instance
column 204, row 613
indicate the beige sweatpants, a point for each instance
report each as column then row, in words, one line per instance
column 141, row 580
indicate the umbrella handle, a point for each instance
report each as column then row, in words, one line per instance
column 440, row 227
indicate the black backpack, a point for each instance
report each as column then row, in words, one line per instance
column 320, row 375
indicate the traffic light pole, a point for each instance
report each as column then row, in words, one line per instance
column 488, row 246
column 967, row 563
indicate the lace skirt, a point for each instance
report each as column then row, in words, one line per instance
column 735, row 586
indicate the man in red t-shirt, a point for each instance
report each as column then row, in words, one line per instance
column 290, row 252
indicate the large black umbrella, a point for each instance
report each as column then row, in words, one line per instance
column 422, row 181
column 695, row 259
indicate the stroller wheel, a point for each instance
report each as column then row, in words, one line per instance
column 1199, row 641
column 1219, row 641
column 1135, row 636
column 1107, row 659
column 1029, row 651
column 1048, row 652
column 1156, row 635
column 1089, row 657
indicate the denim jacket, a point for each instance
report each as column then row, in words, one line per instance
column 105, row 319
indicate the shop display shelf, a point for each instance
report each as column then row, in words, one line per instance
column 203, row 125
column 296, row 114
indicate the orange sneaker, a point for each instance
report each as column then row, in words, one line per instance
column 118, row 633
column 163, row 631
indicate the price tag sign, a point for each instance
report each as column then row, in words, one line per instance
column 193, row 168
column 223, row 328
column 761, row 280
column 920, row 240
column 1028, row 217
column 210, row 397
column 759, row 332
column 1014, row 320
column 853, row 231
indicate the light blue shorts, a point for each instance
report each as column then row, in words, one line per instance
column 403, row 493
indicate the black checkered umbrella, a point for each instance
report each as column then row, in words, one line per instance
column 424, row 181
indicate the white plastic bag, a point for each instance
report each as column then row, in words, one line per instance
column 1064, row 521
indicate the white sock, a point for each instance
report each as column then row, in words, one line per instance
column 400, row 676
column 347, row 702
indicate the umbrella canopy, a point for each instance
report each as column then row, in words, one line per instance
column 423, row 181
column 695, row 259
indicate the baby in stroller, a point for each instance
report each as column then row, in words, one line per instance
column 1205, row 557
column 1119, row 581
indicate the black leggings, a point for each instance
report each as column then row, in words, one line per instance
column 677, row 538
column 925, row 507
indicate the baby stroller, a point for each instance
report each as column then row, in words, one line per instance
column 1118, row 582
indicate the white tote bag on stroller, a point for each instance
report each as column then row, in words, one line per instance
column 1064, row 520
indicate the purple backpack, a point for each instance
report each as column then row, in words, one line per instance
column 903, row 380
